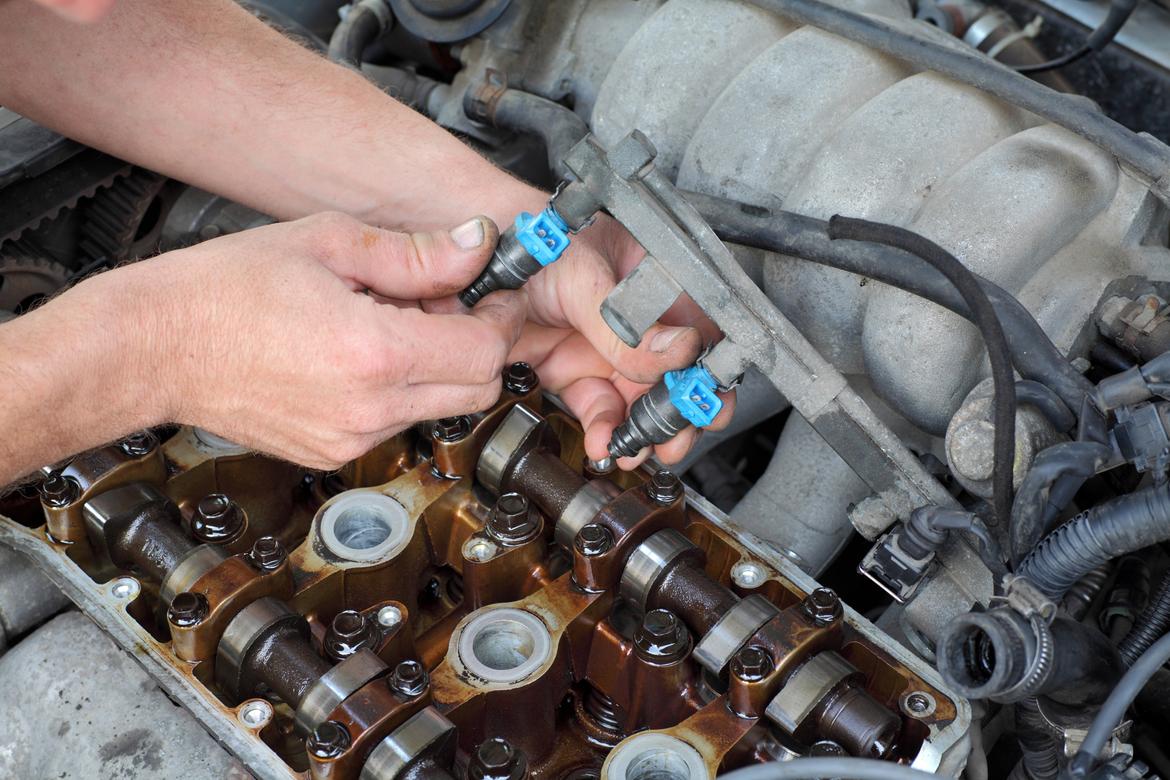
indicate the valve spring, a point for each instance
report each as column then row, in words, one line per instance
column 602, row 710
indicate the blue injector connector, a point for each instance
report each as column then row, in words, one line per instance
column 531, row 243
column 682, row 398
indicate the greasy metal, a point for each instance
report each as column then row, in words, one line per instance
column 334, row 686
column 557, row 715
column 732, row 631
column 427, row 733
column 649, row 560
column 191, row 568
column 805, row 689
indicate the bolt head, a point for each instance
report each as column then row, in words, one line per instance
column 664, row 487
column 593, row 539
column 511, row 520
column 495, row 759
column 452, row 429
column 520, row 378
column 58, row 490
column 752, row 664
column 329, row 740
column 138, row 444
column 187, row 609
column 217, row 519
column 267, row 553
column 409, row 679
column 823, row 606
column 661, row 637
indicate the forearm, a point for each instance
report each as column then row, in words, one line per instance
column 209, row 95
column 72, row 377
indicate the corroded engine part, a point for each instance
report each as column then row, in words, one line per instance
column 419, row 625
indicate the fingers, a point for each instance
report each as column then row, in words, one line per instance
column 461, row 349
column 403, row 265
column 599, row 407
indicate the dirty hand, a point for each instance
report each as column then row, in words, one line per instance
column 579, row 357
column 269, row 338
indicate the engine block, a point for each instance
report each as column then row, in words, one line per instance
column 473, row 596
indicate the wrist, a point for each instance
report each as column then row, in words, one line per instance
column 118, row 319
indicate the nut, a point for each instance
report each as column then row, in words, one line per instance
column 349, row 632
column 823, row 606
column 452, row 429
column 664, row 487
column 217, row 520
column 496, row 759
column 329, row 740
column 138, row 444
column 520, row 378
column 593, row 539
column 59, row 490
column 752, row 664
column 661, row 638
column 187, row 609
column 409, row 679
column 511, row 520
column 267, row 553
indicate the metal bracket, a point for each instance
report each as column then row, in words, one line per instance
column 686, row 255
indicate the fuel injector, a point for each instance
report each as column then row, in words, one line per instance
column 533, row 242
column 681, row 398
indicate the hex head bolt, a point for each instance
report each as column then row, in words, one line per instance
column 329, row 740
column 217, row 520
column 451, row 429
column 58, row 490
column 511, row 520
column 267, row 553
column 409, row 679
column 349, row 632
column 664, row 487
column 752, row 663
column 593, row 539
column 497, row 759
column 823, row 606
column 520, row 379
column 661, row 638
column 187, row 609
column 138, row 444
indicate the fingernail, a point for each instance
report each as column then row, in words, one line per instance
column 469, row 235
column 664, row 338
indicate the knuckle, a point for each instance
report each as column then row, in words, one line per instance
column 487, row 361
column 331, row 232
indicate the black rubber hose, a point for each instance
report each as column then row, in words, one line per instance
column 360, row 27
column 1041, row 396
column 985, row 318
column 1079, row 459
column 1111, row 713
column 1112, row 529
column 807, row 238
column 522, row 112
column 1150, row 625
column 1119, row 13
column 1145, row 155
column 1040, row 747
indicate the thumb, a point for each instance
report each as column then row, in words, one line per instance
column 416, row 265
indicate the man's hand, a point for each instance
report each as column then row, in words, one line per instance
column 266, row 337
column 270, row 124
column 579, row 357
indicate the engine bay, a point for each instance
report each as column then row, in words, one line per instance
column 934, row 240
